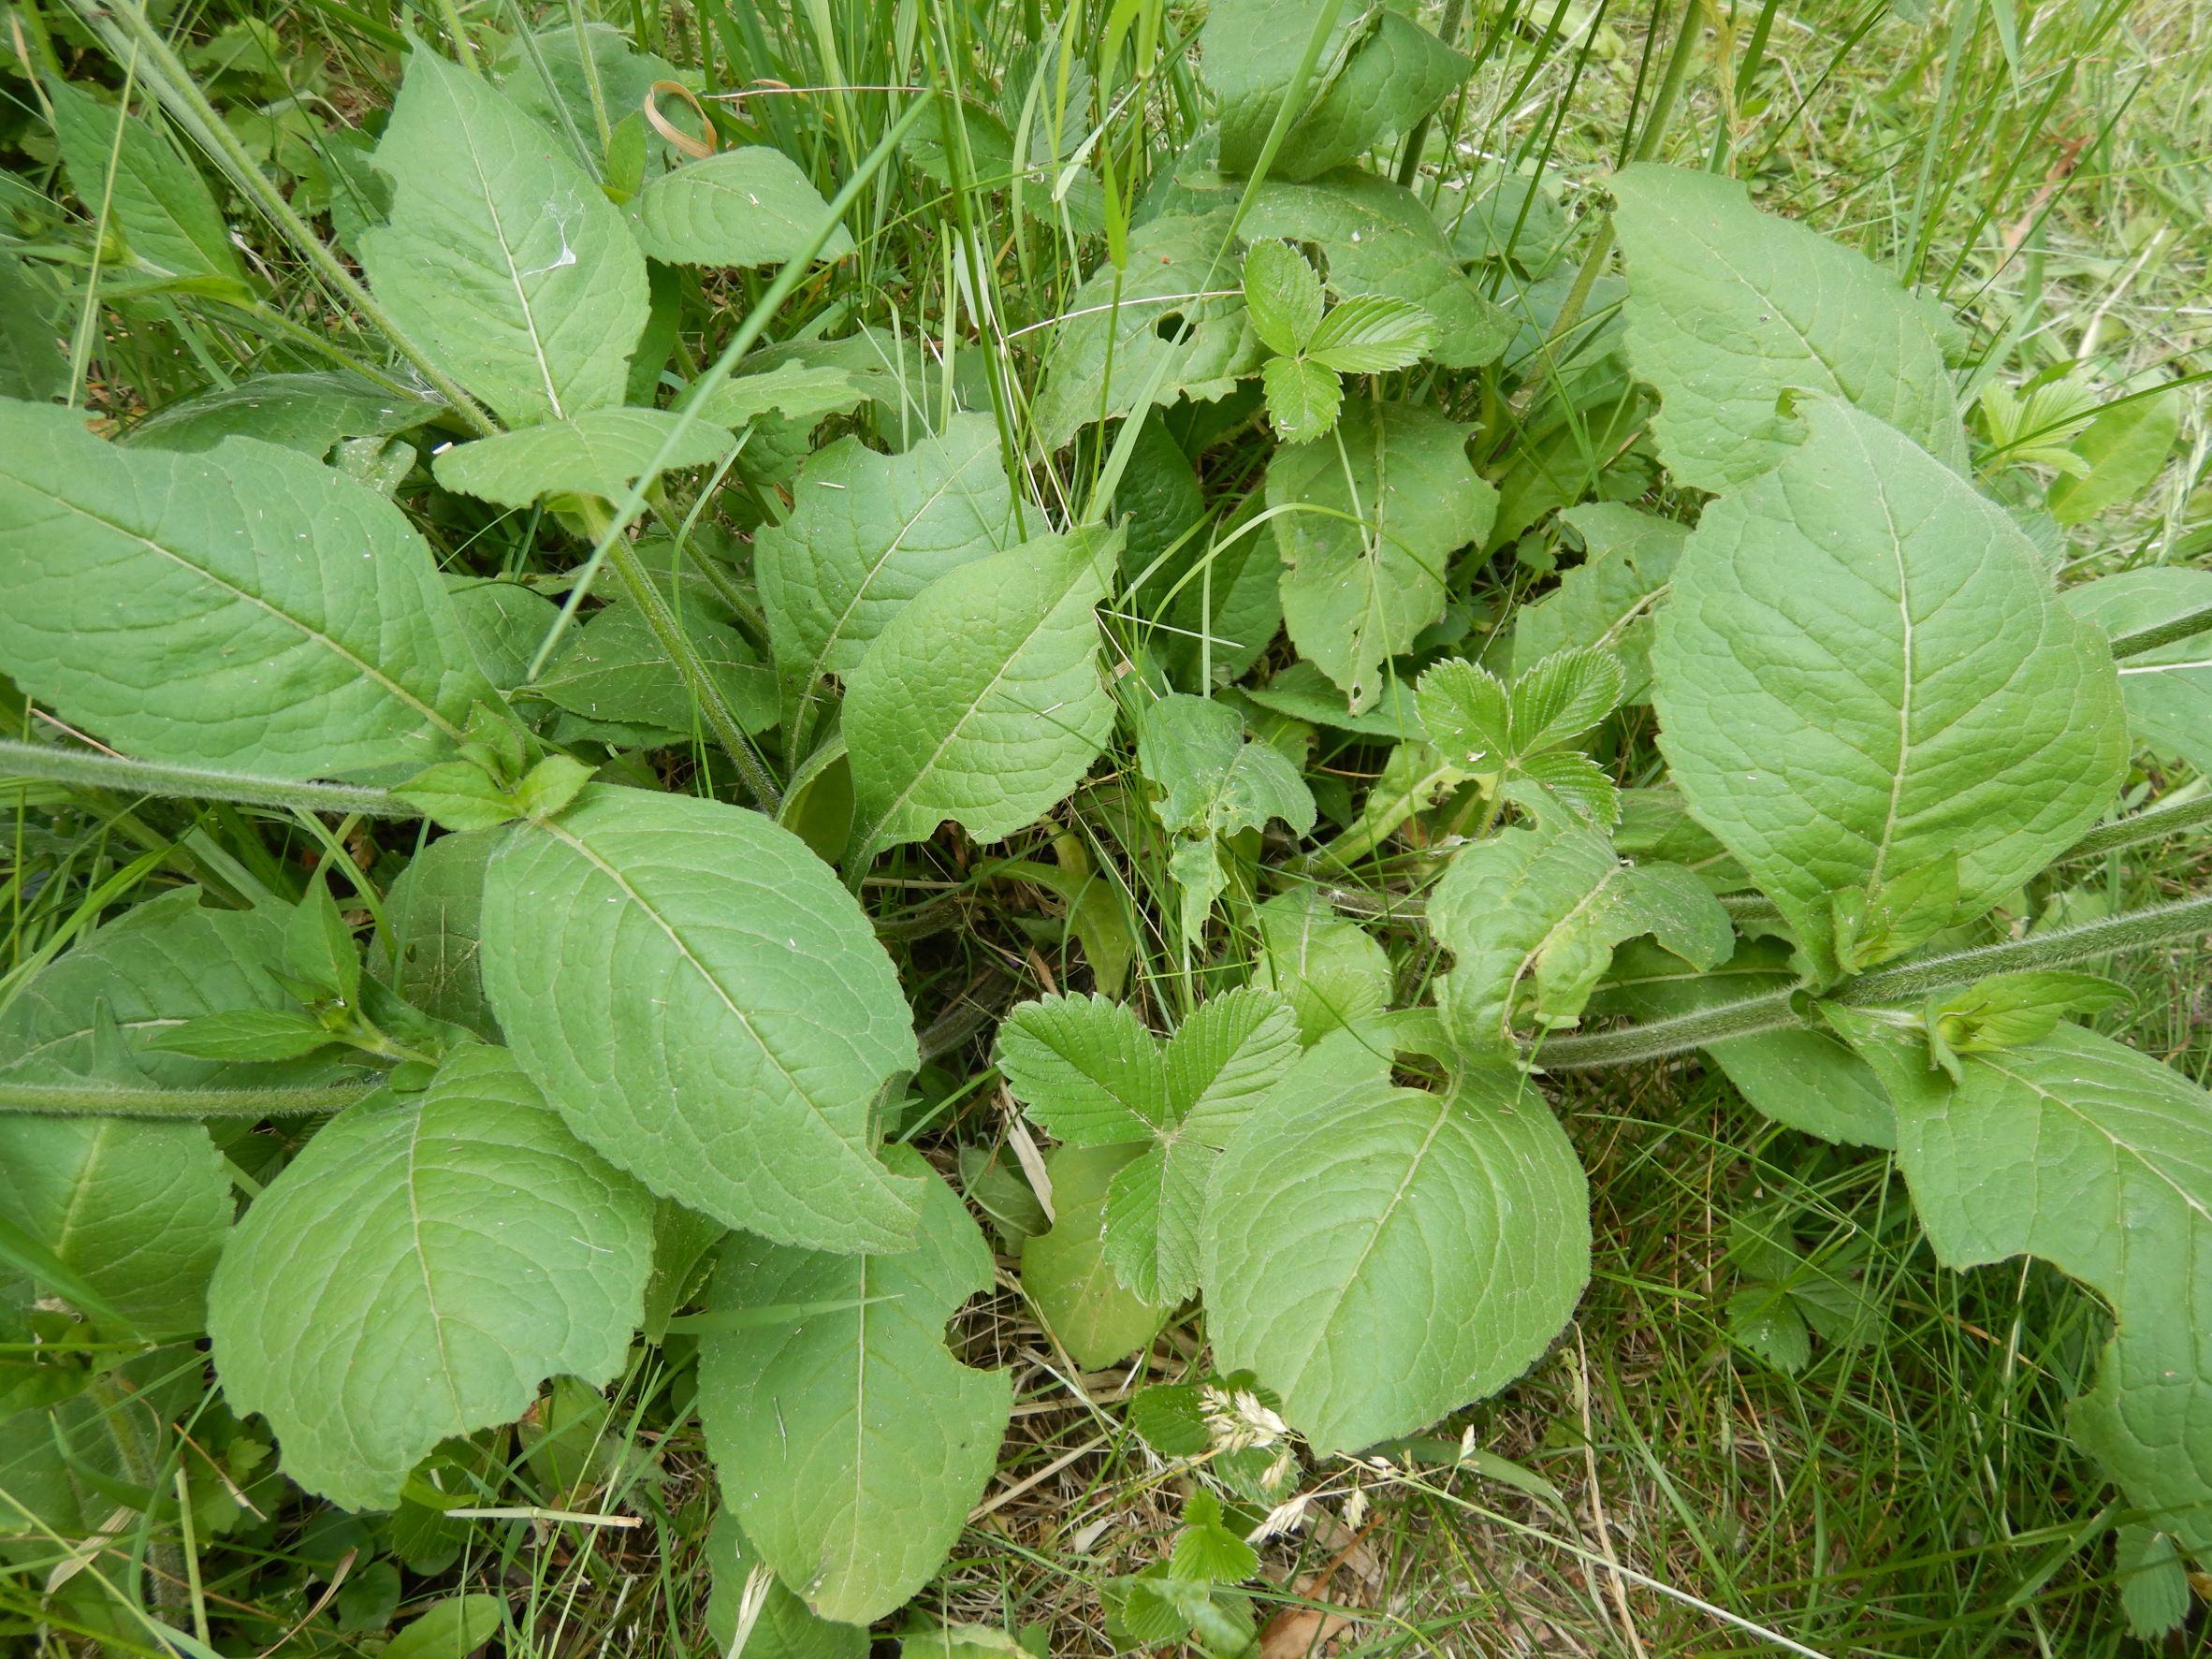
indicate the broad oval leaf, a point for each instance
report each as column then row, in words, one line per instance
column 418, row 1270
column 245, row 608
column 1727, row 305
column 850, row 1443
column 154, row 196
column 981, row 701
column 137, row 1211
column 784, row 1629
column 747, row 205
column 1382, row 1256
column 1863, row 668
column 1064, row 1268
column 597, row 452
column 708, row 1007
column 500, row 256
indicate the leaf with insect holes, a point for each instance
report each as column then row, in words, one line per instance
column 849, row 1443
column 246, row 608
column 1549, row 902
column 2098, row 1159
column 1166, row 306
column 508, row 264
column 981, row 701
column 1728, row 305
column 1365, row 547
column 866, row 533
column 706, row 1005
column 137, row 1211
column 1862, row 668
column 1378, row 74
column 1064, row 1268
column 2168, row 692
column 128, row 175
column 1382, row 1256
column 597, row 452
column 1086, row 1072
column 747, row 205
column 418, row 1271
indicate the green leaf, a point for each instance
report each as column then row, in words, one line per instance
column 1329, row 970
column 197, row 609
column 33, row 362
column 1366, row 544
column 138, row 1211
column 451, row 1629
column 505, row 261
column 1303, row 397
column 1561, row 696
column 597, row 452
column 747, row 205
column 625, row 74
column 1088, row 1073
column 1551, row 902
column 505, row 622
column 1607, row 600
column 147, row 191
column 852, row 1444
column 1863, row 668
column 785, row 1629
column 434, row 912
column 248, row 1034
column 319, row 947
column 614, row 673
column 418, row 1270
column 2013, row 1010
column 1372, row 333
column 981, row 701
column 2154, row 1582
column 1764, row 1320
column 460, row 796
column 868, row 533
column 1382, row 1256
column 1727, row 305
column 2168, row 692
column 307, row 412
column 1468, row 712
column 1378, row 75
column 1064, row 1269
column 989, row 148
column 1213, row 780
column 1207, row 1552
column 1874, row 925
column 2098, row 1159
column 160, row 964
column 1282, row 295
column 2125, row 449
column 708, row 1007
column 1120, row 324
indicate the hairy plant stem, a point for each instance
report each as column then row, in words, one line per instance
column 172, row 83
column 2171, row 631
column 1776, row 1010
column 73, row 1099
column 2154, row 825
column 89, row 769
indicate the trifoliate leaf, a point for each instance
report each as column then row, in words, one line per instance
column 245, row 608
column 1086, row 1071
column 418, row 1271
column 1382, row 1256
column 1862, row 668
column 747, row 205
column 1064, row 1269
column 501, row 256
column 1727, row 304
column 597, row 452
column 850, row 1443
column 2154, row 1582
column 706, row 1005
column 1561, row 697
column 981, row 701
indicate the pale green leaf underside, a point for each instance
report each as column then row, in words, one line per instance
column 243, row 608
column 418, row 1271
column 1364, row 573
column 435, row 913
column 139, row 1211
column 2168, row 692
column 1065, row 1271
column 2098, row 1159
column 1727, row 306
column 706, row 1005
column 1862, row 668
column 1382, row 1256
column 597, row 452
column 866, row 533
column 747, row 206
column 849, row 1443
column 981, row 701
column 501, row 256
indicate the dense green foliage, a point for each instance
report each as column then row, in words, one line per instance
column 602, row 1029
